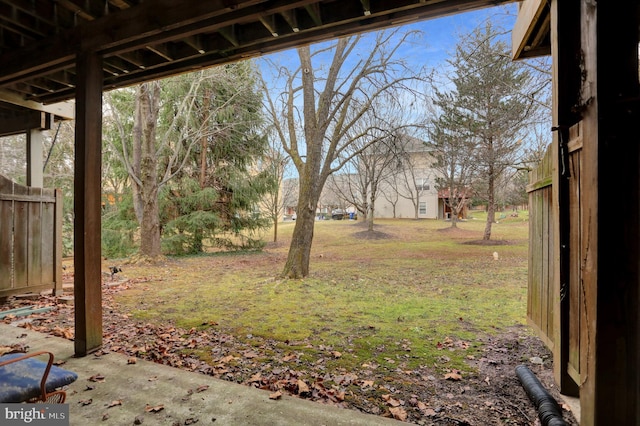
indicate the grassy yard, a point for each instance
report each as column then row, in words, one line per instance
column 401, row 300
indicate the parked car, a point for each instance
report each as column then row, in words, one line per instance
column 337, row 214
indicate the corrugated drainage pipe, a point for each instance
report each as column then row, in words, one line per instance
column 549, row 412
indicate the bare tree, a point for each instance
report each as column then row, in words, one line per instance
column 415, row 176
column 276, row 162
column 13, row 157
column 316, row 112
column 371, row 167
column 390, row 191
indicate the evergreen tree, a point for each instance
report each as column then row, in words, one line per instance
column 188, row 144
column 493, row 97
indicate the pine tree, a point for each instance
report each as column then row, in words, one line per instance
column 492, row 96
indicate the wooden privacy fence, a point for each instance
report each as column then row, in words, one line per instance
column 540, row 301
column 30, row 239
column 547, row 301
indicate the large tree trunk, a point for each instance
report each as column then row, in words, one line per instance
column 297, row 265
column 150, row 226
column 491, row 207
column 372, row 207
column 454, row 217
column 275, row 229
column 146, row 193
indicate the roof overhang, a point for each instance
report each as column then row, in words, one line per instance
column 18, row 115
column 531, row 33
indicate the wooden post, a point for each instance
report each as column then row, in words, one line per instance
column 87, row 189
column 610, row 393
column 565, row 41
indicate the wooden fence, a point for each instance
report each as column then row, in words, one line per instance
column 540, row 301
column 30, row 239
column 545, row 294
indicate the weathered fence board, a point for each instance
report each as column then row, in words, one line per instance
column 30, row 239
column 576, row 311
column 6, row 231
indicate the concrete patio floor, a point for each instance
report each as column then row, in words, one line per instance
column 148, row 384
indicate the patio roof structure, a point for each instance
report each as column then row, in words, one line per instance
column 73, row 50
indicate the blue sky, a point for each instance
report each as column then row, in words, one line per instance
column 441, row 35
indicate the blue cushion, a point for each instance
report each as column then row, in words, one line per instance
column 20, row 381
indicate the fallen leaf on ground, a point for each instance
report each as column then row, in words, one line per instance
column 202, row 388
column 114, row 403
column 132, row 360
column 255, row 378
column 276, row 395
column 455, row 376
column 429, row 412
column 367, row 383
column 302, row 387
column 289, row 357
column 84, row 402
column 398, row 413
column 391, row 401
column 96, row 378
column 153, row 408
column 105, row 416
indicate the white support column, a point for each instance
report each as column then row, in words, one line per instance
column 35, row 162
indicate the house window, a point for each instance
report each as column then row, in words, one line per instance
column 422, row 184
column 422, row 208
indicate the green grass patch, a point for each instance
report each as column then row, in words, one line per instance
column 403, row 301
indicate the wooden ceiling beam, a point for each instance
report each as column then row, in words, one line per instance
column 161, row 50
column 292, row 19
column 120, row 4
column 17, row 122
column 76, row 10
column 65, row 110
column 196, row 43
column 366, row 7
column 270, row 24
column 229, row 33
column 314, row 12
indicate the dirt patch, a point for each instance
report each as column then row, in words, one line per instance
column 490, row 243
column 371, row 235
column 458, row 233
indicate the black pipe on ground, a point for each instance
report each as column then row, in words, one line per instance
column 549, row 411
